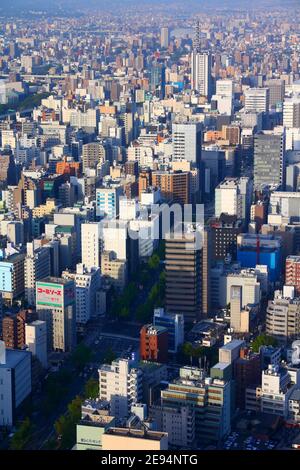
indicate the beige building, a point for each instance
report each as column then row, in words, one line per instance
column 114, row 270
column 283, row 318
column 44, row 209
column 134, row 439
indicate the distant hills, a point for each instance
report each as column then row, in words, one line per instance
column 20, row 6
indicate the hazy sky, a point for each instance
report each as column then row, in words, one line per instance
column 51, row 4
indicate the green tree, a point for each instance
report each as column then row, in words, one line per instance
column 153, row 262
column 21, row 436
column 110, row 356
column 81, row 356
column 91, row 388
column 263, row 340
column 187, row 349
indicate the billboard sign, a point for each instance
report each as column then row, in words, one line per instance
column 54, row 294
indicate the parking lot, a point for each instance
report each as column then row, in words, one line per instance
column 237, row 441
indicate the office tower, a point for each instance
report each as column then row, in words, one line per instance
column 247, row 372
column 224, row 232
column 36, row 267
column 277, row 91
column 174, row 186
column 260, row 249
column 224, row 96
column 92, row 154
column 175, row 326
column 90, row 245
column 55, row 304
column 7, row 166
column 257, row 100
column 13, row 328
column 283, row 318
column 214, row 172
column 211, row 402
column 121, row 384
column 134, row 439
column 15, row 380
column 230, row 351
column 158, row 79
column 187, row 141
column 15, row 232
column 107, row 201
column 12, row 277
column 36, row 340
column 292, row 273
column 164, row 37
column 291, row 112
column 239, row 318
column 87, row 282
column 206, row 266
column 201, row 79
column 115, row 238
column 154, row 343
column 233, row 197
column 178, row 422
column 183, row 265
column 269, row 159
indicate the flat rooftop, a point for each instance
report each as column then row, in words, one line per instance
column 14, row 357
column 136, row 433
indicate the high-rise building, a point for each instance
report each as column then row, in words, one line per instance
column 224, row 232
column 90, row 245
column 154, row 343
column 247, row 372
column 121, row 384
column 183, row 264
column 87, row 282
column 292, row 273
column 291, row 112
column 55, row 304
column 210, row 399
column 233, row 197
column 257, row 100
column 187, row 141
column 158, row 79
column 283, row 318
column 37, row 266
column 174, row 185
column 277, row 90
column 12, row 276
column 13, row 328
column 164, row 37
column 269, row 159
column 107, row 201
column 36, row 340
column 92, row 154
column 15, row 380
column 201, row 78
column 239, row 318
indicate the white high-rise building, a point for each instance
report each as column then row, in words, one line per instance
column 233, row 197
column 36, row 266
column 276, row 390
column 121, row 384
column 187, row 141
column 114, row 235
column 87, row 283
column 128, row 208
column 257, row 100
column 36, row 340
column 224, row 96
column 291, row 112
column 90, row 245
column 164, row 37
column 201, row 73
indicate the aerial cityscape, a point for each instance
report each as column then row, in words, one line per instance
column 150, row 225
